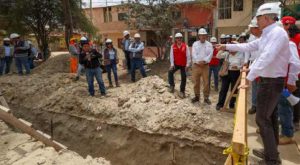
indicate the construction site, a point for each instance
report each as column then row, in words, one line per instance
column 137, row 123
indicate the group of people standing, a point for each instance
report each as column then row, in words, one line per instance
column 19, row 51
column 272, row 57
column 84, row 57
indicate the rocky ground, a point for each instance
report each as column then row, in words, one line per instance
column 145, row 106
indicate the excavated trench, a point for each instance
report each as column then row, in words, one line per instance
column 119, row 144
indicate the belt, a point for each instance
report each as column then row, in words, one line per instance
column 269, row 79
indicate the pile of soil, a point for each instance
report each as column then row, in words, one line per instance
column 144, row 107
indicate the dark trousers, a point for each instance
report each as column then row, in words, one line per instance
column 112, row 67
column 128, row 61
column 183, row 77
column 8, row 61
column 297, row 106
column 268, row 93
column 137, row 63
column 22, row 61
column 215, row 71
column 227, row 81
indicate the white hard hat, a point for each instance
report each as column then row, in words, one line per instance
column 223, row 36
column 213, row 39
column 202, row 31
column 243, row 34
column 6, row 39
column 125, row 33
column 14, row 35
column 253, row 23
column 108, row 41
column 178, row 35
column 268, row 8
column 137, row 35
column 83, row 39
column 171, row 36
column 227, row 36
column 234, row 36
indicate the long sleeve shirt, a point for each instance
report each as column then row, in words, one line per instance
column 125, row 44
column 188, row 56
column 251, row 56
column 202, row 52
column 136, row 48
column 274, row 50
column 90, row 60
column 236, row 61
column 294, row 68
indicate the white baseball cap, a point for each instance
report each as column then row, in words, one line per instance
column 213, row 39
column 202, row 31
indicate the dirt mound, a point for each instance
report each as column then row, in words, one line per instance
column 56, row 64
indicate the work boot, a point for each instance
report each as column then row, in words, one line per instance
column 110, row 85
column 296, row 127
column 76, row 78
column 257, row 131
column 172, row 89
column 195, row 99
column 252, row 110
column 117, row 84
column 218, row 107
column 181, row 95
column 286, row 140
column 259, row 153
column 207, row 101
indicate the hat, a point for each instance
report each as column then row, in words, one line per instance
column 234, row 36
column 178, row 35
column 288, row 20
column 6, row 39
column 83, row 39
column 227, row 36
column 223, row 36
column 14, row 35
column 137, row 35
column 125, row 33
column 202, row 31
column 243, row 34
column 268, row 8
column 213, row 39
column 108, row 41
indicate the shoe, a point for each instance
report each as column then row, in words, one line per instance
column 76, row 78
column 181, row 95
column 263, row 162
column 103, row 94
column 218, row 107
column 195, row 99
column 259, row 153
column 231, row 106
column 252, row 110
column 296, row 127
column 257, row 131
column 207, row 101
column 117, row 84
column 286, row 140
column 172, row 89
column 216, row 90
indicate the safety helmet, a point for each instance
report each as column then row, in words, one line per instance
column 243, row 34
column 227, row 36
column 268, row 8
column 137, row 35
column 14, row 35
column 253, row 23
column 178, row 35
column 108, row 41
column 234, row 36
column 202, row 31
column 125, row 33
column 83, row 39
column 223, row 36
column 6, row 39
column 213, row 39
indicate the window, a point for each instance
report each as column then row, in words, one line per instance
column 238, row 5
column 225, row 9
column 107, row 14
column 255, row 5
column 122, row 16
column 176, row 14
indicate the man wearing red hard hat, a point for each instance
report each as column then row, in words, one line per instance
column 294, row 33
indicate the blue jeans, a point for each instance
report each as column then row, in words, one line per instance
column 112, row 67
column 137, row 63
column 30, row 62
column 285, row 113
column 215, row 70
column 22, row 61
column 254, row 93
column 97, row 73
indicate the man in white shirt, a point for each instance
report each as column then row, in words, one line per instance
column 271, row 67
column 249, row 59
column 202, row 52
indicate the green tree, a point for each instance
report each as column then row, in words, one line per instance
column 154, row 15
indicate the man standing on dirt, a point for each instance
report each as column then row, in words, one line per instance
column 136, row 56
column 91, row 63
column 21, row 53
column 125, row 47
column 271, row 67
column 202, row 52
column 73, row 49
column 6, row 55
column 180, row 59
